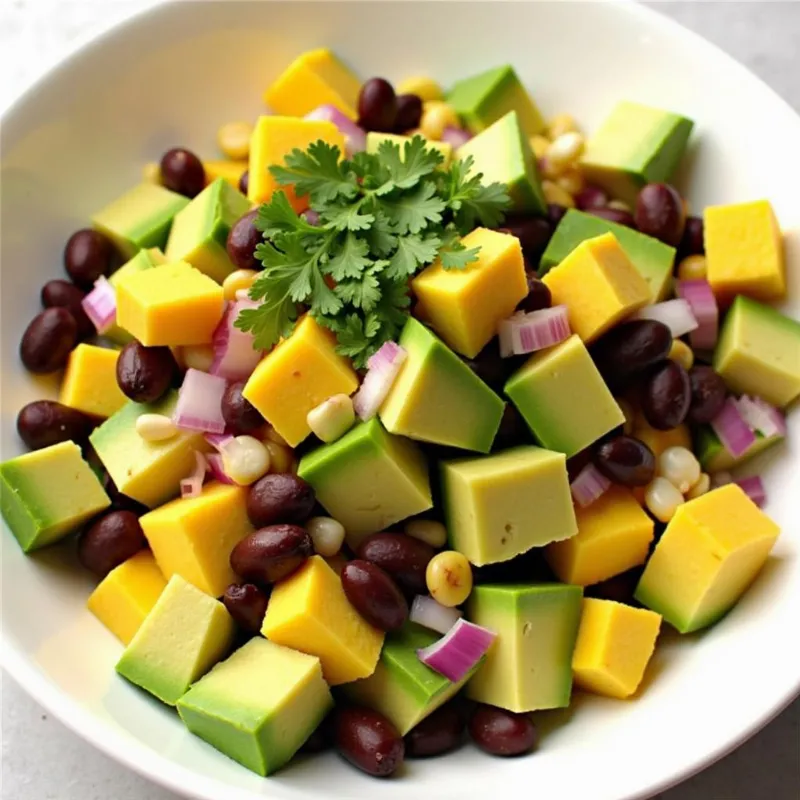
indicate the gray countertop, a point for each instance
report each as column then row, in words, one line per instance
column 42, row 760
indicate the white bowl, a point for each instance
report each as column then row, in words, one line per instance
column 171, row 76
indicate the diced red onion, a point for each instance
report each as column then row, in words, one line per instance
column 761, row 416
column 753, row 487
column 525, row 333
column 199, row 405
column 218, row 440
column 100, row 305
column 383, row 369
column 732, row 430
column 589, row 484
column 458, row 651
column 355, row 139
column 311, row 216
column 675, row 314
column 192, row 486
column 217, row 467
column 455, row 136
column 235, row 357
column 427, row 612
column 700, row 297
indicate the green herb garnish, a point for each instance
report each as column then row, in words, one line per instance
column 382, row 218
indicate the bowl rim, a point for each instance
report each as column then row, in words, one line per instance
column 154, row 766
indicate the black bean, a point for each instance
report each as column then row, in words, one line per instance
column 48, row 340
column 409, row 112
column 368, row 740
column 374, row 595
column 247, row 604
column 403, row 557
column 63, row 294
column 145, row 374
column 244, row 182
column 88, row 255
column 377, row 106
column 666, row 396
column 44, row 423
column 279, row 497
column 616, row 215
column 708, row 393
column 534, row 234
column 538, row 297
column 240, row 415
column 182, row 172
column 501, row 732
column 660, row 213
column 242, row 241
column 692, row 242
column 626, row 461
column 631, row 348
column 271, row 554
column 438, row 733
column 109, row 541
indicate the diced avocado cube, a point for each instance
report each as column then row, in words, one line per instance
column 184, row 635
column 149, row 472
column 502, row 505
column 563, row 398
column 375, row 139
column 529, row 666
column 502, row 153
column 712, row 550
column 369, row 479
column 653, row 259
column 402, row 688
column 635, row 145
column 758, row 352
column 48, row 494
column 713, row 455
column 140, row 218
column 438, row 398
column 482, row 99
column 259, row 706
column 200, row 231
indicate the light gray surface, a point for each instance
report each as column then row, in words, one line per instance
column 42, row 760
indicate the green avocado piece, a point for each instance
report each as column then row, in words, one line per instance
column 140, row 218
column 502, row 505
column 714, row 457
column 259, row 706
column 758, row 352
column 502, row 153
column 563, row 398
column 200, row 231
column 48, row 494
column 653, row 259
column 483, row 99
column 149, row 472
column 635, row 145
column 529, row 666
column 437, row 398
column 376, row 139
column 402, row 688
column 369, row 479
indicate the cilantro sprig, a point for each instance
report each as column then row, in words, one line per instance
column 382, row 217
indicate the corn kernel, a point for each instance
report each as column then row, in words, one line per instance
column 539, row 145
column 692, row 268
column 565, row 150
column 449, row 578
column 680, row 467
column 245, row 460
column 151, row 173
column 327, row 535
column 238, row 280
column 429, row 531
column 155, row 427
column 330, row 420
column 437, row 116
column 662, row 499
column 425, row 88
column 280, row 458
column 233, row 140
column 572, row 180
column 682, row 353
column 274, row 436
column 197, row 356
column 553, row 193
column 620, row 205
column 560, row 124
column 700, row 488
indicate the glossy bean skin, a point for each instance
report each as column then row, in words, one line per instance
column 631, row 348
column 374, row 595
column 626, row 460
column 368, row 740
column 555, row 213
column 501, row 732
column 666, row 396
column 271, row 554
column 320, row 739
column 409, row 112
column 88, row 254
column 534, row 234
column 144, row 374
column 613, row 215
column 239, row 414
column 45, row 422
column 109, row 541
column 183, row 172
column 660, row 213
column 280, row 497
column 438, row 733
column 244, row 182
column 63, row 294
column 490, row 367
column 48, row 340
column 377, row 106
column 538, row 297
column 403, row 557
column 247, row 604
column 708, row 393
column 591, row 197
column 242, row 241
column 692, row 241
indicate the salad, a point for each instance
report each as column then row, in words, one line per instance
column 408, row 417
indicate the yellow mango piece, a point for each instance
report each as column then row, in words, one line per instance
column 614, row 534
column 465, row 306
column 175, row 304
column 194, row 538
column 273, row 139
column 231, row 171
column 658, row 441
column 711, row 551
column 425, row 88
column 298, row 375
column 127, row 594
column 313, row 79
column 615, row 643
column 744, row 251
column 90, row 381
column 598, row 284
column 310, row 612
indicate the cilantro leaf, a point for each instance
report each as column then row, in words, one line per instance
column 348, row 217
column 363, row 292
column 382, row 237
column 278, row 216
column 412, row 211
column 453, row 253
column 472, row 201
column 407, row 168
column 351, row 260
column 317, row 172
column 412, row 252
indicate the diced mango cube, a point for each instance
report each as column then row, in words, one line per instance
column 711, row 551
column 464, row 306
column 90, row 381
column 313, row 79
column 615, row 643
column 599, row 286
column 194, row 538
column 614, row 535
column 299, row 374
column 744, row 251
column 230, row 171
column 127, row 595
column 310, row 612
column 273, row 139
column 172, row 305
